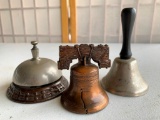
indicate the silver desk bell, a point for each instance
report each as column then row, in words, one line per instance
column 124, row 78
column 36, row 80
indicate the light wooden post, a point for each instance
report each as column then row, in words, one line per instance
column 73, row 19
column 64, row 21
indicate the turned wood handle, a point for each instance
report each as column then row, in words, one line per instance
column 128, row 17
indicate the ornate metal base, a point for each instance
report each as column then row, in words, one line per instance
column 38, row 94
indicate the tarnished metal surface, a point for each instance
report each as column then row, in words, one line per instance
column 125, row 79
column 36, row 80
column 36, row 72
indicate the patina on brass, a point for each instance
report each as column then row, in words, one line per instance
column 36, row 80
column 124, row 77
column 84, row 95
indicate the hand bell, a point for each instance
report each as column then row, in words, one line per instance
column 124, row 78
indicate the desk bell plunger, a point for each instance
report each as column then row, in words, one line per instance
column 36, row 80
column 124, row 77
column 85, row 94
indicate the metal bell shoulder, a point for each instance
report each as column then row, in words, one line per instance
column 36, row 72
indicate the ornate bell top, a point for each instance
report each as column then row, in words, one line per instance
column 36, row 71
column 84, row 53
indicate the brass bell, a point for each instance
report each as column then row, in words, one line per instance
column 36, row 80
column 124, row 77
column 85, row 94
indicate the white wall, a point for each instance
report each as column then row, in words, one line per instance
column 97, row 20
column 27, row 20
column 100, row 20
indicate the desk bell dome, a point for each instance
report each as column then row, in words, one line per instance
column 36, row 80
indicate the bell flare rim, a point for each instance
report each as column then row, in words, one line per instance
column 83, row 113
column 134, row 93
column 127, row 94
column 82, row 110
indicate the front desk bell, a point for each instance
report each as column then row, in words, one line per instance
column 85, row 94
column 36, row 80
column 124, row 77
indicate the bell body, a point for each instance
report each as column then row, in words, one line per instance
column 125, row 79
column 84, row 95
column 36, row 80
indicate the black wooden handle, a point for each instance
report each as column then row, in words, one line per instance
column 128, row 17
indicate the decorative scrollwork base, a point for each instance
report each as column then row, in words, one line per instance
column 36, row 94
